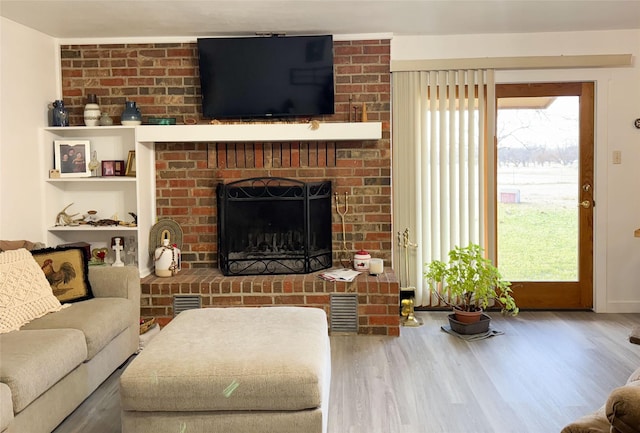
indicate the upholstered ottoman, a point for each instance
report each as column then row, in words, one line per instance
column 232, row 370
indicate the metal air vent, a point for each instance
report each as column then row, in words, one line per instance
column 344, row 312
column 185, row 302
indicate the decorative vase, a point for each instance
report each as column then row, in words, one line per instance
column 105, row 119
column 92, row 111
column 60, row 116
column 131, row 114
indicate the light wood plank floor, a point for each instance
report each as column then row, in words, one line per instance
column 548, row 369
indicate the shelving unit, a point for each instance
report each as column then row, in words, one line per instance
column 117, row 196
column 112, row 197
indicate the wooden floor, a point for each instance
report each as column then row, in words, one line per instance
column 547, row 369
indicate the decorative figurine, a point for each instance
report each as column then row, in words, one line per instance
column 117, row 248
column 94, row 164
column 64, row 219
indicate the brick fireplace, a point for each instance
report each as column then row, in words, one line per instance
column 162, row 79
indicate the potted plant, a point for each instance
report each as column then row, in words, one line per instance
column 468, row 282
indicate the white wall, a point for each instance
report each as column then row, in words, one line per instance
column 617, row 211
column 29, row 75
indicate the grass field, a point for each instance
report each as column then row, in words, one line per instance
column 537, row 242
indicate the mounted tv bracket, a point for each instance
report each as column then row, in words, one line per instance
column 271, row 34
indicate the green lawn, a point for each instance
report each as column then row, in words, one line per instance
column 537, row 243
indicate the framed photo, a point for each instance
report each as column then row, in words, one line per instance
column 131, row 164
column 112, row 168
column 71, row 158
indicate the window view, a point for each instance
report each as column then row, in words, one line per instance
column 538, row 188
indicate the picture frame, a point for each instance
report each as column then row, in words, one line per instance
column 112, row 168
column 131, row 164
column 71, row 157
column 75, row 286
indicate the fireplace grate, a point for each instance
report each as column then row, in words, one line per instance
column 343, row 312
column 185, row 302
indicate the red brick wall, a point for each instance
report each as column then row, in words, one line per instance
column 163, row 80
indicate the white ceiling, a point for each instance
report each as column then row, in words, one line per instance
column 187, row 18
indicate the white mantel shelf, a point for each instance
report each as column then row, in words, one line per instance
column 260, row 132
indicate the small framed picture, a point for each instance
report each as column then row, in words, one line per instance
column 131, row 164
column 71, row 158
column 112, row 168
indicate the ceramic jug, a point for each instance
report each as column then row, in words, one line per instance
column 167, row 259
column 60, row 116
column 131, row 114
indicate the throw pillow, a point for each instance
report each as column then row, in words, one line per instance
column 67, row 270
column 25, row 293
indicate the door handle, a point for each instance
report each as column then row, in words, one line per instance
column 585, row 204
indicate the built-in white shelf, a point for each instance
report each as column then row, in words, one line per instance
column 60, row 130
column 93, row 179
column 89, row 228
column 260, row 132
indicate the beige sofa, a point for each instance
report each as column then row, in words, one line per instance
column 50, row 365
column 620, row 414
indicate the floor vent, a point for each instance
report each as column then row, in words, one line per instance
column 344, row 312
column 187, row 302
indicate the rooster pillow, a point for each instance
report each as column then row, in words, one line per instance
column 66, row 269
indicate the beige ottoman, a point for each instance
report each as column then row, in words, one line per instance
column 232, row 370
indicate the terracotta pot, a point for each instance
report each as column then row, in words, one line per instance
column 467, row 316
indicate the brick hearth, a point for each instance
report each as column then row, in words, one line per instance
column 377, row 296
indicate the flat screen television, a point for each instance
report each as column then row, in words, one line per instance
column 277, row 76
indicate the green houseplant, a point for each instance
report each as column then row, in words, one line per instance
column 468, row 281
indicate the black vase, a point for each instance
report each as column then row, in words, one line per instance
column 60, row 115
column 131, row 114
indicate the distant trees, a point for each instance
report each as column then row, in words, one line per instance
column 565, row 154
column 532, row 137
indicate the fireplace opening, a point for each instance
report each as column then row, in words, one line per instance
column 273, row 225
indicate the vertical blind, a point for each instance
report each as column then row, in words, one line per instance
column 443, row 123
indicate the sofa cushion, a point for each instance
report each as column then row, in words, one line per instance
column 100, row 319
column 32, row 361
column 25, row 293
column 6, row 407
column 66, row 269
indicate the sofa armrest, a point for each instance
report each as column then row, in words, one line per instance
column 623, row 408
column 593, row 423
column 115, row 282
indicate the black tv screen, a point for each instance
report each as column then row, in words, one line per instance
column 266, row 76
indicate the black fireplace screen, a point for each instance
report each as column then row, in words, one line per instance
column 272, row 225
